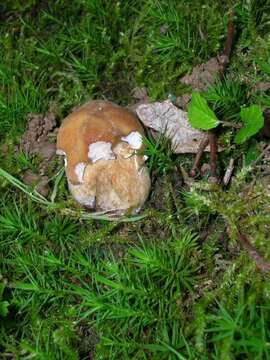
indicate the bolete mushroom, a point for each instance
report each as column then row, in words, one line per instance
column 102, row 144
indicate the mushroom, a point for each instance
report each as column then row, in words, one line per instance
column 102, row 144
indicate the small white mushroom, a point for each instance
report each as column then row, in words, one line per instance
column 104, row 170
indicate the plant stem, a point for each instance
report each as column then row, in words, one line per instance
column 229, row 40
column 224, row 59
column 230, row 124
column 213, row 155
column 195, row 167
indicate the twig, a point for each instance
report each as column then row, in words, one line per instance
column 228, row 173
column 261, row 156
column 230, row 124
column 213, row 156
column 224, row 59
column 230, row 35
column 204, row 142
column 187, row 180
column 259, row 260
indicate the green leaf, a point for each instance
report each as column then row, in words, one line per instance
column 251, row 154
column 253, row 121
column 200, row 115
column 264, row 66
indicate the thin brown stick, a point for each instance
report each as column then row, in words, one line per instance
column 213, row 155
column 228, row 173
column 230, row 124
column 187, row 179
column 253, row 253
column 204, row 142
column 230, row 35
column 224, row 59
column 262, row 155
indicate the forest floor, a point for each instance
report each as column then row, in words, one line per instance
column 188, row 279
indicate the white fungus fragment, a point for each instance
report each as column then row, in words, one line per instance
column 100, row 150
column 60, row 152
column 134, row 139
column 65, row 161
column 79, row 171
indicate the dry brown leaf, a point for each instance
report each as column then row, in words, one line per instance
column 166, row 118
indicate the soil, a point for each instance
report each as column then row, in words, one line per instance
column 39, row 140
column 36, row 136
column 41, row 182
column 87, row 343
column 265, row 132
column 262, row 86
column 141, row 97
column 201, row 77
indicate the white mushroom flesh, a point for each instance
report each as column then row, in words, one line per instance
column 79, row 171
column 60, row 152
column 134, row 139
column 100, row 150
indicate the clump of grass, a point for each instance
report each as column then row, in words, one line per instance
column 155, row 300
column 160, row 158
column 227, row 96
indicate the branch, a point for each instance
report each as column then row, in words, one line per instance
column 224, row 59
column 213, row 156
column 253, row 253
column 230, row 35
column 204, row 142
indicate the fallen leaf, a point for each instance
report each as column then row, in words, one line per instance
column 167, row 119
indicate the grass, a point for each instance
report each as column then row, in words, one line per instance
column 171, row 284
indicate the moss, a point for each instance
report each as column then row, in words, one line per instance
column 175, row 285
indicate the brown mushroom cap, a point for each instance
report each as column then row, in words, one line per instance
column 95, row 121
column 104, row 168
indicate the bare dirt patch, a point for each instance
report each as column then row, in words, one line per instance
column 39, row 140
